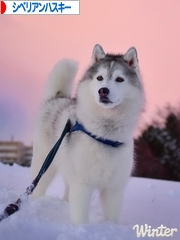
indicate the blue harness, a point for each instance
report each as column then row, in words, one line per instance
column 80, row 127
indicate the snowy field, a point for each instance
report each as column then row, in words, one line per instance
column 147, row 201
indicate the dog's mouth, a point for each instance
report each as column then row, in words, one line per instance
column 104, row 100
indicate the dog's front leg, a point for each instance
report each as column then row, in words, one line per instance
column 79, row 201
column 111, row 199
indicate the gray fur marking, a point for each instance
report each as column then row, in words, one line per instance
column 118, row 62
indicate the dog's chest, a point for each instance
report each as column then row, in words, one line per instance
column 96, row 163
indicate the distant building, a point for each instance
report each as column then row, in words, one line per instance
column 15, row 152
column 27, row 156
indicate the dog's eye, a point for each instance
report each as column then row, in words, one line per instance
column 119, row 79
column 99, row 78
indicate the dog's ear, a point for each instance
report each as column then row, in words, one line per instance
column 131, row 57
column 98, row 54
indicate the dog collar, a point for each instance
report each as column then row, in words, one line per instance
column 80, row 127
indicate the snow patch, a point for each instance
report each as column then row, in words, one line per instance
column 147, row 201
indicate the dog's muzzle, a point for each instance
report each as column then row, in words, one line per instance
column 103, row 95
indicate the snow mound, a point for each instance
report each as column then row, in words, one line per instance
column 147, row 201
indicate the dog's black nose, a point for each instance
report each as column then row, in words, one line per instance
column 103, row 92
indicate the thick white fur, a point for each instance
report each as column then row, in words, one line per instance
column 85, row 163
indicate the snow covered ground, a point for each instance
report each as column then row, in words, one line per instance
column 147, row 201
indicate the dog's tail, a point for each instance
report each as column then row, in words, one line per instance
column 60, row 81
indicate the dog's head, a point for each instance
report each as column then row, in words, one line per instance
column 113, row 78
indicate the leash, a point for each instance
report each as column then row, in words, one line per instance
column 14, row 207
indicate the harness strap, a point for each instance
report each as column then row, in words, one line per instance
column 79, row 127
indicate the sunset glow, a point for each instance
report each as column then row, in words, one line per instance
column 31, row 45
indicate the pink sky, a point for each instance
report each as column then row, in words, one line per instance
column 31, row 45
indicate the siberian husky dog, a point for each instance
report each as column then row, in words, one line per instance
column 98, row 151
